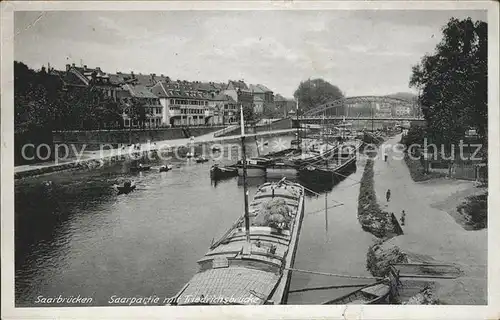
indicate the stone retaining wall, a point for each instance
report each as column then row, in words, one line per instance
column 124, row 136
column 105, row 161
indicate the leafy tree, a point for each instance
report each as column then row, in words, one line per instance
column 453, row 82
column 42, row 101
column 250, row 117
column 312, row 93
column 36, row 98
column 271, row 112
column 364, row 109
column 415, row 135
column 138, row 112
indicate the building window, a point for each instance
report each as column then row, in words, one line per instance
column 127, row 122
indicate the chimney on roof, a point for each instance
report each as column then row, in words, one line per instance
column 73, row 64
column 162, row 75
column 84, row 67
column 98, row 68
column 68, row 67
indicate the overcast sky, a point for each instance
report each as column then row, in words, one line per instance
column 362, row 52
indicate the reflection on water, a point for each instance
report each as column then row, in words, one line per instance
column 75, row 236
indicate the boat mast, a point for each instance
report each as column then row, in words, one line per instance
column 244, row 162
column 298, row 124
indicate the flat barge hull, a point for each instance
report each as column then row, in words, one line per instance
column 235, row 271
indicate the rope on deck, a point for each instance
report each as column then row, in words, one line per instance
column 332, row 287
column 333, row 274
column 322, row 210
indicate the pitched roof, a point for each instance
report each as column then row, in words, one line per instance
column 179, row 90
column 264, row 88
column 255, row 88
column 88, row 71
column 139, row 91
column 219, row 86
column 203, row 86
column 147, row 80
column 235, row 85
column 69, row 78
column 223, row 97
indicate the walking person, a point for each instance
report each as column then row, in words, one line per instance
column 388, row 195
column 385, row 158
column 403, row 215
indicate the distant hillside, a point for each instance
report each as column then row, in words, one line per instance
column 403, row 95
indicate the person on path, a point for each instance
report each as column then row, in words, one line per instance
column 388, row 195
column 385, row 158
column 403, row 215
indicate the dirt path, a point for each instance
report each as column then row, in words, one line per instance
column 431, row 231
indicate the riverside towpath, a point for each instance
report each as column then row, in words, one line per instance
column 432, row 232
column 97, row 155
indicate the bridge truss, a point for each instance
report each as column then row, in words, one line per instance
column 364, row 100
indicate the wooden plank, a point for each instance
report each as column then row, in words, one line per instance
column 377, row 290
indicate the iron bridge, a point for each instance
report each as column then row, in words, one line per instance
column 319, row 112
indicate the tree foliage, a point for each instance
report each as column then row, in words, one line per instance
column 42, row 101
column 453, row 82
column 250, row 117
column 270, row 111
column 312, row 93
column 138, row 112
column 415, row 136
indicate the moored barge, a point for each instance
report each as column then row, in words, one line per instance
column 251, row 266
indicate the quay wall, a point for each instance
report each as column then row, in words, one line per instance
column 96, row 137
column 100, row 162
column 46, row 141
column 277, row 125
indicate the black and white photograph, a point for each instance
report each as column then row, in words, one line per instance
column 261, row 155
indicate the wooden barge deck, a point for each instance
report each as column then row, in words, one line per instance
column 238, row 271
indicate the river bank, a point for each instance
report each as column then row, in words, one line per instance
column 94, row 160
column 380, row 223
column 431, row 234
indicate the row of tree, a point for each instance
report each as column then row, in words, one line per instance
column 41, row 100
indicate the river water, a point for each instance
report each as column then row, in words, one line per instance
column 75, row 236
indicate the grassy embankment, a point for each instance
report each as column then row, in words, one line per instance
column 373, row 219
column 417, row 171
column 474, row 210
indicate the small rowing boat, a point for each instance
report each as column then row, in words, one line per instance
column 166, row 168
column 126, row 188
column 201, row 159
column 377, row 293
column 140, row 167
column 373, row 294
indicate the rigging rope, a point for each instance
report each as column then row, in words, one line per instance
column 332, row 287
column 333, row 274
